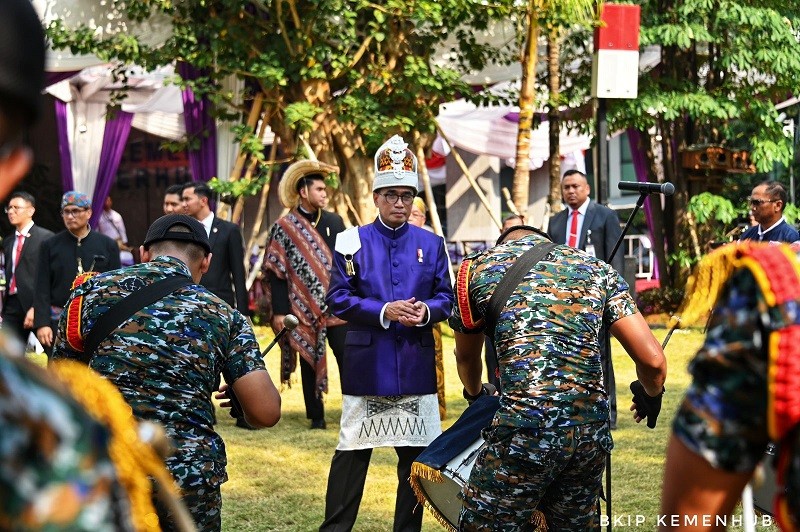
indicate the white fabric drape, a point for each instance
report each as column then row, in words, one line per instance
column 86, row 124
column 157, row 110
column 486, row 130
column 227, row 147
column 165, row 125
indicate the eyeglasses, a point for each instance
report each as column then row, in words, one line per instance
column 72, row 213
column 15, row 208
column 392, row 197
column 758, row 202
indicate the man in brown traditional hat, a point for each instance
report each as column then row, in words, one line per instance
column 297, row 271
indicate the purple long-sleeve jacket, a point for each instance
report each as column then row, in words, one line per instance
column 391, row 264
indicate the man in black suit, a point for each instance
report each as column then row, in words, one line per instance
column 599, row 219
column 226, row 275
column 595, row 229
column 21, row 251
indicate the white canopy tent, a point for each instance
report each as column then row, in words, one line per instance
column 492, row 130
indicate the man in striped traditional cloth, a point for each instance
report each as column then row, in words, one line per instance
column 297, row 270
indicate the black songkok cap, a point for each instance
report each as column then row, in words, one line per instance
column 161, row 230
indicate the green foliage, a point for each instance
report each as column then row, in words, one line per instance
column 300, row 116
column 354, row 61
column 707, row 207
column 232, row 190
column 792, row 213
column 683, row 259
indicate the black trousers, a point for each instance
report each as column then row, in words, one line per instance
column 336, row 338
column 314, row 407
column 14, row 318
column 346, row 487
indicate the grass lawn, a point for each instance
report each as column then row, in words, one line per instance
column 278, row 476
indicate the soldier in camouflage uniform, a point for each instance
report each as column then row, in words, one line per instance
column 744, row 387
column 168, row 356
column 548, row 441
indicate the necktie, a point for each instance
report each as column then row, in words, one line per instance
column 12, row 288
column 573, row 231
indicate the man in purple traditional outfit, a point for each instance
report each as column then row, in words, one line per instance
column 297, row 271
column 390, row 282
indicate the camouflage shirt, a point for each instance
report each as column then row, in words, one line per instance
column 547, row 334
column 166, row 360
column 55, row 471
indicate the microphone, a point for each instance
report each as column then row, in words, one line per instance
column 668, row 189
column 290, row 321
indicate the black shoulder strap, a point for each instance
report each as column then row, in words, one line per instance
column 510, row 281
column 127, row 307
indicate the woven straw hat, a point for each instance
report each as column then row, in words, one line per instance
column 287, row 189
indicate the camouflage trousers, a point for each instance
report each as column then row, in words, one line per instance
column 200, row 496
column 557, row 471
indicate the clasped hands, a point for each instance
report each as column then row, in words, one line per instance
column 408, row 312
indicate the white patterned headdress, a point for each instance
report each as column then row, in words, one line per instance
column 395, row 166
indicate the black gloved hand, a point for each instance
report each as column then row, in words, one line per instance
column 647, row 407
column 486, row 389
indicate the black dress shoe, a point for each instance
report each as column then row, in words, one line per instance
column 318, row 424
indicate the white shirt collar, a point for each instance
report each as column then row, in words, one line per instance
column 26, row 231
column 387, row 227
column 207, row 221
column 582, row 208
column 761, row 232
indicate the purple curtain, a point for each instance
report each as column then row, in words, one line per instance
column 63, row 146
column 199, row 123
column 115, row 136
column 51, row 78
column 640, row 167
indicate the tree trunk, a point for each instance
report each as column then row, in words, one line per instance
column 527, row 96
column 554, row 82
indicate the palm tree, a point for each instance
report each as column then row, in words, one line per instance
column 556, row 13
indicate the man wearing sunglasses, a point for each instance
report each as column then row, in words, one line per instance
column 767, row 202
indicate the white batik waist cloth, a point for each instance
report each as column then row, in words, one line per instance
column 394, row 421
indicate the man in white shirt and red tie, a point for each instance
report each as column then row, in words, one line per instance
column 571, row 226
column 21, row 254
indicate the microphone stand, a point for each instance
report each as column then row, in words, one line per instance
column 607, row 362
column 639, row 203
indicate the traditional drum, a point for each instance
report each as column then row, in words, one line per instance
column 442, row 469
